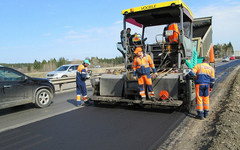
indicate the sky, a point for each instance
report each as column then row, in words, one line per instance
column 73, row 29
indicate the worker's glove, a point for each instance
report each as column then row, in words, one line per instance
column 134, row 77
column 87, row 77
column 187, row 76
column 190, row 76
column 210, row 89
column 155, row 75
column 211, row 85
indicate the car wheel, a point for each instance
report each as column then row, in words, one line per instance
column 64, row 76
column 43, row 98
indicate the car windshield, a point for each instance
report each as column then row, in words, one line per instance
column 225, row 57
column 62, row 68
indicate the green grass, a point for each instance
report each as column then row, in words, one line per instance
column 37, row 74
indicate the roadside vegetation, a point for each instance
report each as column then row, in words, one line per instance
column 37, row 67
column 222, row 50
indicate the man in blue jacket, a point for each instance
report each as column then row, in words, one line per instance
column 204, row 82
column 80, row 83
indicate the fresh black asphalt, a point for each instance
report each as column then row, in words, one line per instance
column 94, row 128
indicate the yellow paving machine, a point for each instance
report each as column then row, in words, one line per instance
column 173, row 60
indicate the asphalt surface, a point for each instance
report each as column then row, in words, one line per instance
column 91, row 128
column 223, row 69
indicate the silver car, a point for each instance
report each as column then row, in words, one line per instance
column 226, row 59
column 63, row 71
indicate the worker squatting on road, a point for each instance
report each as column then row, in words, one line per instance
column 204, row 82
column 141, row 69
column 80, row 83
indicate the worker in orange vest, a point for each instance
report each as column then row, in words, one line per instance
column 172, row 39
column 204, row 82
column 80, row 83
column 141, row 69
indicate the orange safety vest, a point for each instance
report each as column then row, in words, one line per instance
column 81, row 73
column 205, row 73
column 145, row 61
column 173, row 38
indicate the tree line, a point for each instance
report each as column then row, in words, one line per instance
column 222, row 50
column 53, row 64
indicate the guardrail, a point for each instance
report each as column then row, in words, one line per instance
column 66, row 80
column 62, row 81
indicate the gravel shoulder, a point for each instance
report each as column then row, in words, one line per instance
column 220, row 130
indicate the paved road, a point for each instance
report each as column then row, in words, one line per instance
column 89, row 127
column 92, row 128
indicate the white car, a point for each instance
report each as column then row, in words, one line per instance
column 63, row 71
column 226, row 59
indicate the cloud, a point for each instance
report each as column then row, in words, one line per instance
column 118, row 22
column 225, row 22
column 90, row 42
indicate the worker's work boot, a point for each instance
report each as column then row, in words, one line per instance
column 87, row 103
column 144, row 99
column 199, row 115
column 78, row 103
column 206, row 113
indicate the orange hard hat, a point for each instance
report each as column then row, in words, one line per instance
column 138, row 49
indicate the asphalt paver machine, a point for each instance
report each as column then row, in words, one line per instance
column 172, row 60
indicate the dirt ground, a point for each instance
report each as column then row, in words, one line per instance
column 221, row 130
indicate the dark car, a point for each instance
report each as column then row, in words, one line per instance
column 17, row 88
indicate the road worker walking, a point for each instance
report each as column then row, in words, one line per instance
column 80, row 83
column 204, row 82
column 141, row 69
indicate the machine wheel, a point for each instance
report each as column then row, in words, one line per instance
column 94, row 91
column 189, row 104
column 43, row 98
